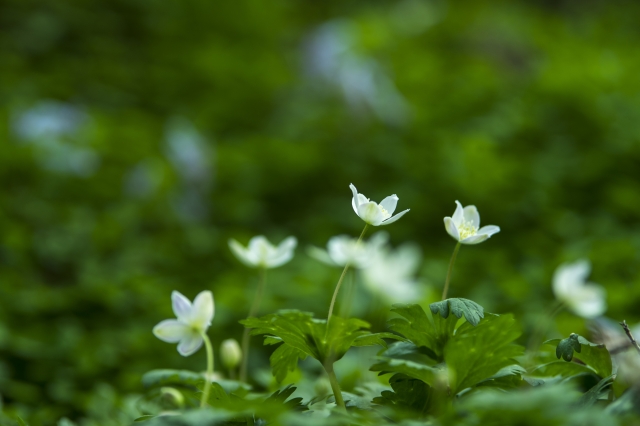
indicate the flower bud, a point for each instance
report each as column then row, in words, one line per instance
column 230, row 353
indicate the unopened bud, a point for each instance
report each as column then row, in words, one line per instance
column 230, row 353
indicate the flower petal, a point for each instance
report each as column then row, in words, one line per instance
column 589, row 301
column 390, row 203
column 370, row 213
column 489, row 230
column 321, row 255
column 190, row 344
column 470, row 214
column 394, row 218
column 203, row 310
column 283, row 253
column 458, row 215
column 354, row 201
column 241, row 253
column 475, row 239
column 181, row 306
column 451, row 228
column 569, row 277
column 170, row 331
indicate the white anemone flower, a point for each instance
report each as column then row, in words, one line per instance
column 464, row 226
column 191, row 324
column 373, row 213
column 343, row 250
column 571, row 287
column 260, row 253
column 392, row 274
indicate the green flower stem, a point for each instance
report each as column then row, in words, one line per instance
column 255, row 306
column 207, row 382
column 335, row 386
column 451, row 262
column 344, row 272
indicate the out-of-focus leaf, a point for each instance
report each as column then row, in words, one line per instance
column 594, row 394
column 593, row 355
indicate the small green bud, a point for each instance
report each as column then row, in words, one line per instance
column 171, row 397
column 230, row 353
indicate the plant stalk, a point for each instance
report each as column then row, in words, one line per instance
column 255, row 306
column 451, row 262
column 207, row 382
column 335, row 386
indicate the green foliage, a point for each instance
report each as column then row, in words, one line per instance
column 472, row 312
column 594, row 356
column 302, row 336
column 597, row 392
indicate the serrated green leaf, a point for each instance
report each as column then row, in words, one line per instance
column 171, row 377
column 472, row 312
column 284, row 359
column 475, row 353
column 596, row 392
column 408, row 394
column 567, row 346
column 418, row 328
column 413, row 369
column 595, row 356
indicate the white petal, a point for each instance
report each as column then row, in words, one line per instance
column 475, row 239
column 470, row 214
column 394, row 218
column 451, row 228
column 170, row 331
column 181, row 306
column 370, row 213
column 489, row 230
column 190, row 344
column 589, row 301
column 354, row 201
column 241, row 253
column 341, row 249
column 283, row 253
column 570, row 276
column 458, row 214
column 389, row 203
column 203, row 310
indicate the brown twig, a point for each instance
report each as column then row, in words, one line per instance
column 629, row 335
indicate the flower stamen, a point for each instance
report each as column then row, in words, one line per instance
column 466, row 230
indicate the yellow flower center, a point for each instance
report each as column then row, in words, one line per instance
column 466, row 229
column 384, row 211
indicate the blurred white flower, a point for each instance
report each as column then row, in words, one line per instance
column 260, row 253
column 373, row 213
column 191, row 324
column 343, row 250
column 571, row 287
column 464, row 226
column 392, row 273
column 230, row 353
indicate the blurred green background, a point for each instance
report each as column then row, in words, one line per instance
column 139, row 136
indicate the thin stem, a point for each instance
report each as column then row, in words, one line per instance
column 541, row 328
column 344, row 272
column 451, row 262
column 348, row 298
column 255, row 306
column 335, row 386
column 629, row 335
column 207, row 382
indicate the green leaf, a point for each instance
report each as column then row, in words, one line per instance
column 472, row 312
column 595, row 356
column 284, row 359
column 595, row 393
column 567, row 346
column 144, row 418
column 408, row 393
column 171, row 377
column 627, row 403
column 477, row 353
column 408, row 359
column 417, row 327
column 562, row 369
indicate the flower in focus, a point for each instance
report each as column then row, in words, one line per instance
column 230, row 353
column 570, row 286
column 391, row 273
column 464, row 226
column 192, row 322
column 373, row 213
column 260, row 253
column 343, row 250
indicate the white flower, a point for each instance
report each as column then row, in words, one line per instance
column 373, row 213
column 570, row 286
column 392, row 272
column 343, row 250
column 192, row 322
column 464, row 226
column 260, row 253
